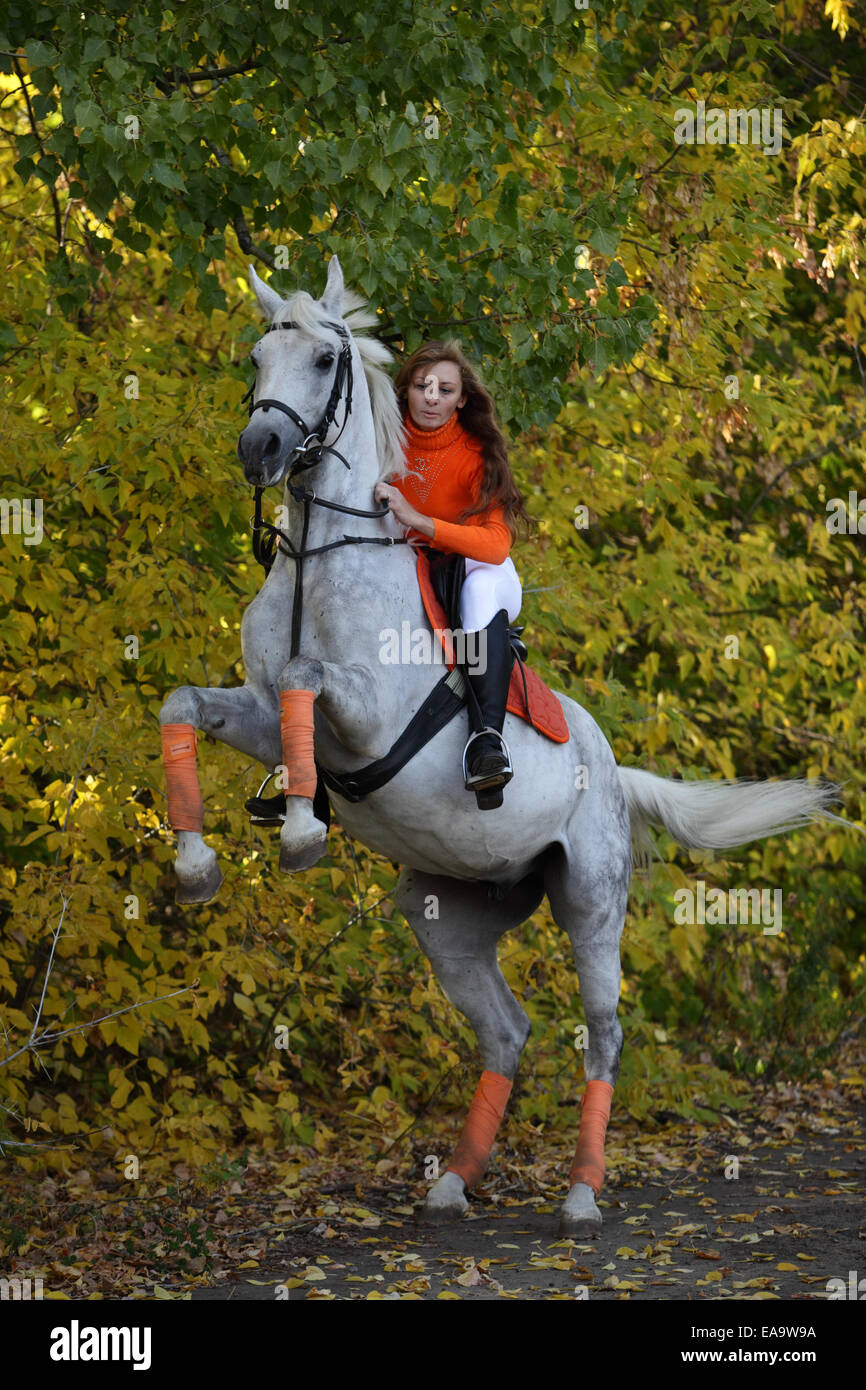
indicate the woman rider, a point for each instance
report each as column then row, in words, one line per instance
column 459, row 496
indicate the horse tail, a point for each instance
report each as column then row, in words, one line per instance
column 722, row 814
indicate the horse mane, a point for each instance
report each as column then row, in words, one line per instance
column 306, row 312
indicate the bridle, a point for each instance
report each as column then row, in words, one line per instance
column 267, row 538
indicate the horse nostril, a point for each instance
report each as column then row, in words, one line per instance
column 273, row 445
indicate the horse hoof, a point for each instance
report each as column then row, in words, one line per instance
column 295, row 860
column 445, row 1201
column 439, row 1216
column 576, row 1226
column 200, row 890
column 580, row 1215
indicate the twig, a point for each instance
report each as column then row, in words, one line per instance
column 242, row 231
column 306, row 969
column 48, row 1143
column 34, row 1042
column 54, row 941
column 418, row 1118
column 58, row 220
column 798, row 463
column 31, row 1045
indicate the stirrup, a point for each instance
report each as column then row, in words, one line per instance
column 266, row 810
column 481, row 780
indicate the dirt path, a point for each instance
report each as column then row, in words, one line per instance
column 343, row 1226
column 794, row 1218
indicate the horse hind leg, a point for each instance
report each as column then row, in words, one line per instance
column 594, row 922
column 460, row 942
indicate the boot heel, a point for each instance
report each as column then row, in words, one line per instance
column 490, row 799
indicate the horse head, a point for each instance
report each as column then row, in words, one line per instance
column 303, row 365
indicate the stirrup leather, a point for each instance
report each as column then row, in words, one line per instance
column 483, row 779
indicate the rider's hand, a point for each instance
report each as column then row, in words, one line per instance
column 401, row 510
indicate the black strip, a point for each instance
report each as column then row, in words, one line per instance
column 298, row 597
column 437, row 710
column 321, row 804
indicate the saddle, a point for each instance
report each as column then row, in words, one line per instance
column 440, row 579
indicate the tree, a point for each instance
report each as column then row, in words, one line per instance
column 673, row 335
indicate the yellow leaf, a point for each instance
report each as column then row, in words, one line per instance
column 245, row 1005
column 120, row 1094
column 839, row 13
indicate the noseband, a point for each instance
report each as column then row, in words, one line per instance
column 267, row 538
column 343, row 374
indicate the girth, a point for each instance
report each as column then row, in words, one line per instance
column 439, row 708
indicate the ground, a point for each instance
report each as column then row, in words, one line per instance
column 676, row 1227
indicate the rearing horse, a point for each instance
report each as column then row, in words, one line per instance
column 315, row 684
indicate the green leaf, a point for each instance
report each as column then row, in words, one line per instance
column 399, row 136
column 88, row 115
column 95, row 48
column 604, row 239
column 381, row 175
column 116, row 68
column 169, row 178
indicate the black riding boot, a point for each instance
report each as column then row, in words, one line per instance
column 486, row 760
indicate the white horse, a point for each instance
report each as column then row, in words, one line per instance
column 468, row 876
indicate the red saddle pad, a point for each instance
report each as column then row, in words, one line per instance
column 544, row 712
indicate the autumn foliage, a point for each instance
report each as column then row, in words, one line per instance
column 674, row 336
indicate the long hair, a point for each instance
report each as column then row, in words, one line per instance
column 478, row 417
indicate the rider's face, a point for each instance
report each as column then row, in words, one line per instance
column 435, row 392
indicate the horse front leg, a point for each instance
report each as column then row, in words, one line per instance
column 235, row 717
column 363, row 721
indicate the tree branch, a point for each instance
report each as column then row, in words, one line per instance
column 58, row 220
column 34, row 1042
column 242, row 231
column 798, row 463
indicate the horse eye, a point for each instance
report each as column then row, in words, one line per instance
column 324, row 362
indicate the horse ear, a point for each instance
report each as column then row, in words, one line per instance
column 269, row 301
column 332, row 299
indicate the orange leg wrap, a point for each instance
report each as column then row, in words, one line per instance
column 588, row 1165
column 296, row 728
column 469, row 1159
column 185, row 808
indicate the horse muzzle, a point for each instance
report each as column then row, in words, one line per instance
column 264, row 453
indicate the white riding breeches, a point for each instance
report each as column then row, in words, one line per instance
column 486, row 589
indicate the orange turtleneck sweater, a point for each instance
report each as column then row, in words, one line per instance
column 449, row 464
